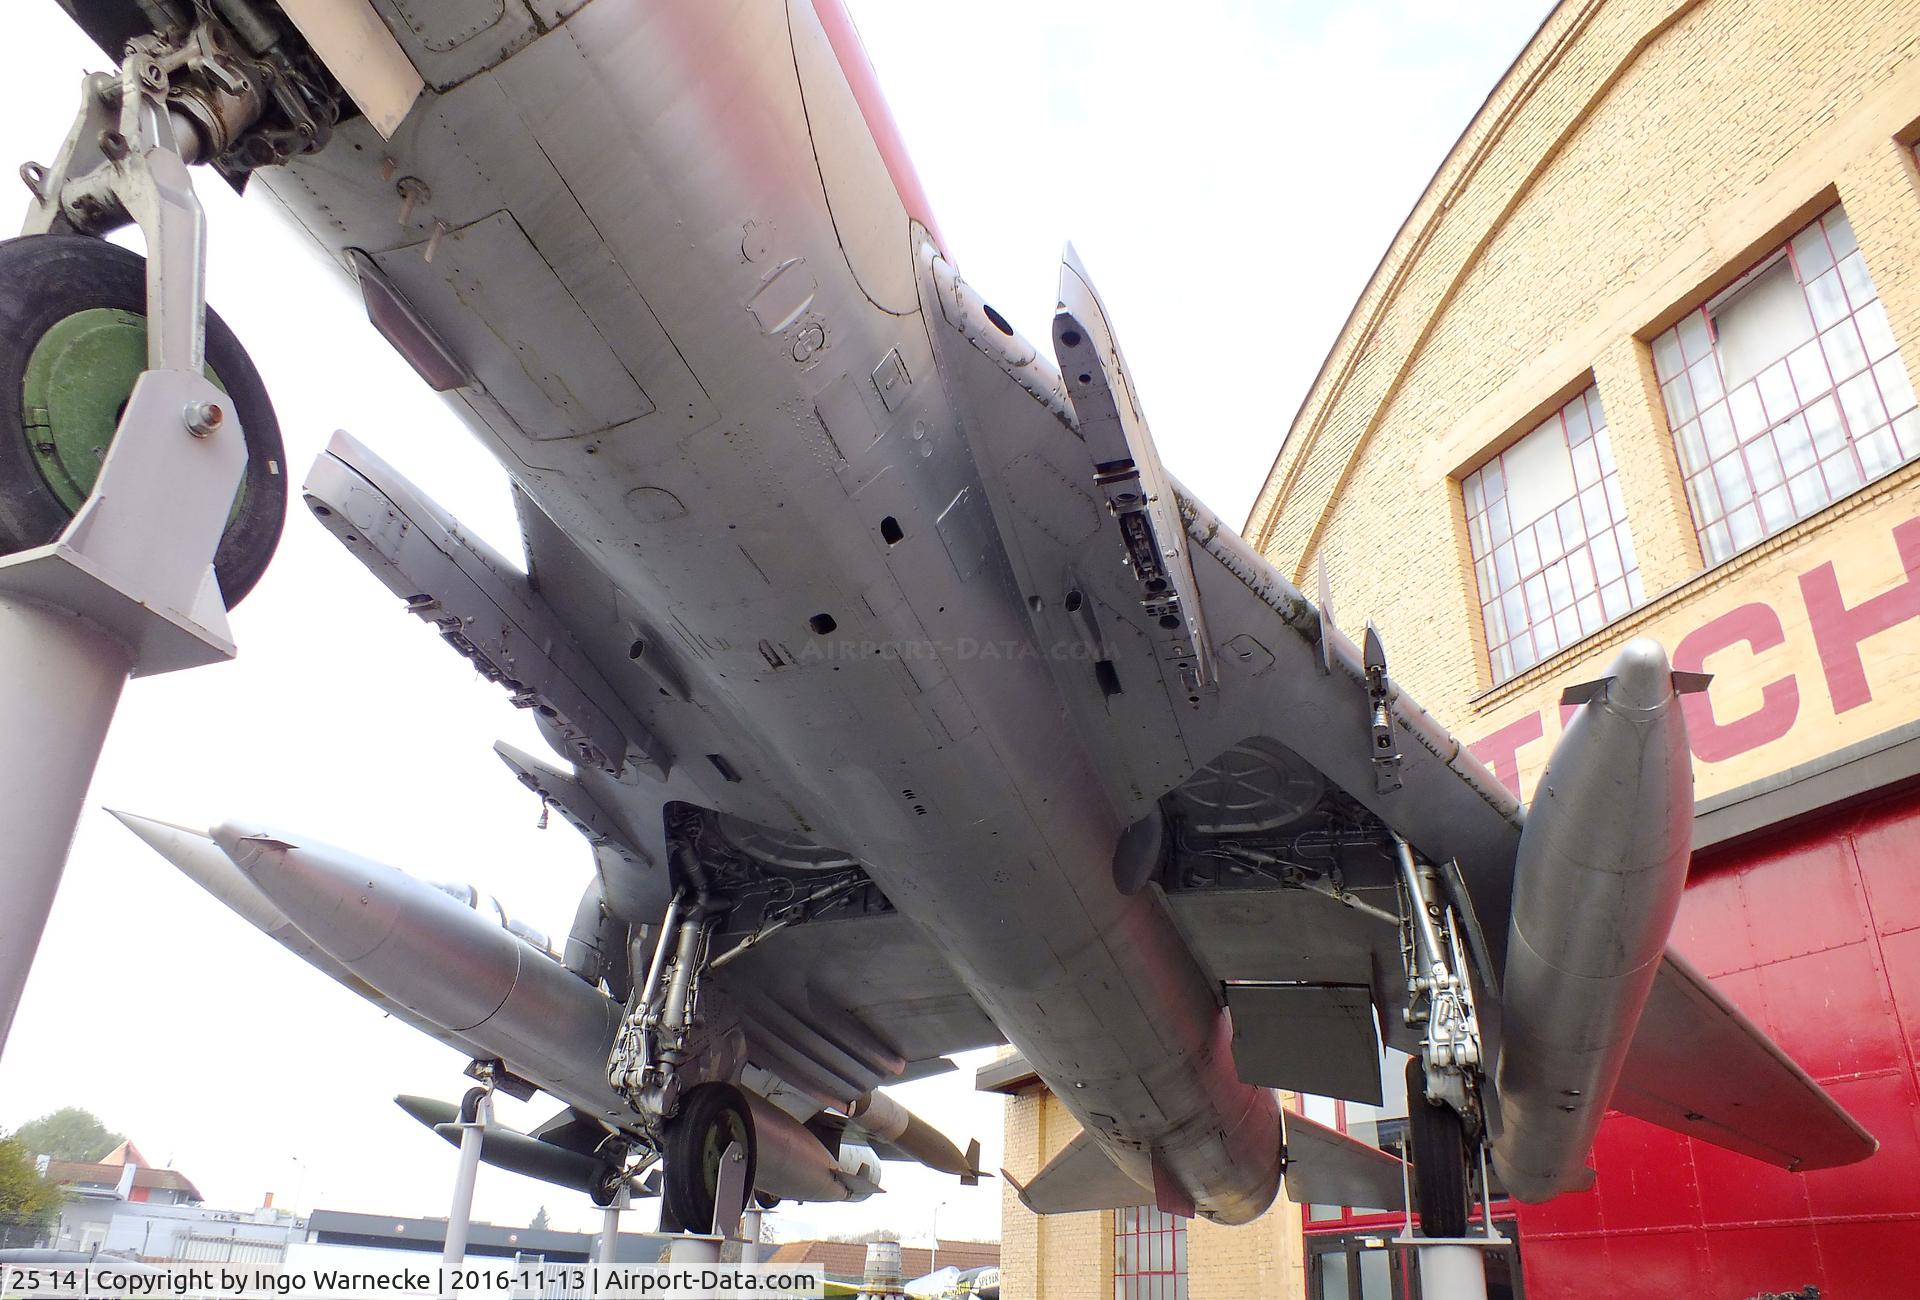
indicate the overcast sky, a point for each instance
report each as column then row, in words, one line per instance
column 1239, row 171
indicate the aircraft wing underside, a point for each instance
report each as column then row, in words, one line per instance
column 1283, row 730
column 838, row 1007
column 1274, row 683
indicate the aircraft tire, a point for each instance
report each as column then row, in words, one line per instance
column 606, row 1188
column 72, row 341
column 1437, row 1145
column 712, row 1117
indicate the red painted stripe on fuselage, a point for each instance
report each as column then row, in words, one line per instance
column 858, row 70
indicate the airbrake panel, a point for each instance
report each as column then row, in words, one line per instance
column 1315, row 1038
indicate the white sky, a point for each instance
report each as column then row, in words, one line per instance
column 1230, row 178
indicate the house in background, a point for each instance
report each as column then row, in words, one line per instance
column 122, row 1204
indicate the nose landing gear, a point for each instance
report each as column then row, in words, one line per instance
column 73, row 341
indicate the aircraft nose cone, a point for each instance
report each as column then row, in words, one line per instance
column 332, row 898
column 1642, row 677
column 208, row 864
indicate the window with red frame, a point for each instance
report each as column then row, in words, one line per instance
column 1548, row 529
column 1149, row 1255
column 1785, row 392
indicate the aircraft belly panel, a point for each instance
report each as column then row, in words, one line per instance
column 451, row 40
column 955, row 776
column 508, row 317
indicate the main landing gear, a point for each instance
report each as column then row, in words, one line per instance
column 714, row 1126
column 1446, row 1126
column 701, row 1124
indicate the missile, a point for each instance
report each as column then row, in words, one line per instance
column 894, row 1126
column 1599, row 876
column 792, row 1162
column 520, row 1153
column 444, row 962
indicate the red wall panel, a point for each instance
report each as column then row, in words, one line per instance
column 1816, row 935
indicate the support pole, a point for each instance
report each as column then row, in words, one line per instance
column 127, row 589
column 60, row 679
column 750, row 1235
column 460, row 1213
column 694, row 1248
column 610, row 1225
column 1453, row 1273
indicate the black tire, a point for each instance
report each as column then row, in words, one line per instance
column 470, row 1104
column 606, row 1187
column 712, row 1116
column 43, row 280
column 1437, row 1144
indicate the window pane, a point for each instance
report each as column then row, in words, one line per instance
column 1839, row 232
column 1748, row 417
column 1878, row 452
column 1694, row 341
column 1853, row 274
column 1874, row 330
column 1375, row 1278
column 1666, row 355
column 1845, row 354
column 1895, row 389
column 1558, row 489
column 1760, row 322
column 1810, row 251
column 1827, row 298
column 1809, row 371
column 1808, row 414
column 1333, row 1276
column 1860, row 398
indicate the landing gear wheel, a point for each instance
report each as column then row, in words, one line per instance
column 606, row 1188
column 73, row 338
column 712, row 1117
column 1437, row 1144
column 470, row 1104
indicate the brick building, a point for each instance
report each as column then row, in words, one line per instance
column 846, row 1261
column 1638, row 363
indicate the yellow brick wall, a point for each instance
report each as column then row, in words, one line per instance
column 1261, row 1260
column 1639, row 155
column 1070, row 1256
column 1062, row 1256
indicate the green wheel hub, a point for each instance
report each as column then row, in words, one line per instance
column 76, row 386
column 713, row 1149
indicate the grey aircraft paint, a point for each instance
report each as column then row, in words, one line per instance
column 833, row 577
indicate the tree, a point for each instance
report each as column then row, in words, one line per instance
column 69, row 1133
column 28, row 1202
column 540, row 1220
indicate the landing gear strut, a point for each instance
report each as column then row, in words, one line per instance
column 1444, row 1119
column 114, row 496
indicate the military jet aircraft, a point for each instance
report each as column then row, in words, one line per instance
column 907, row 702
